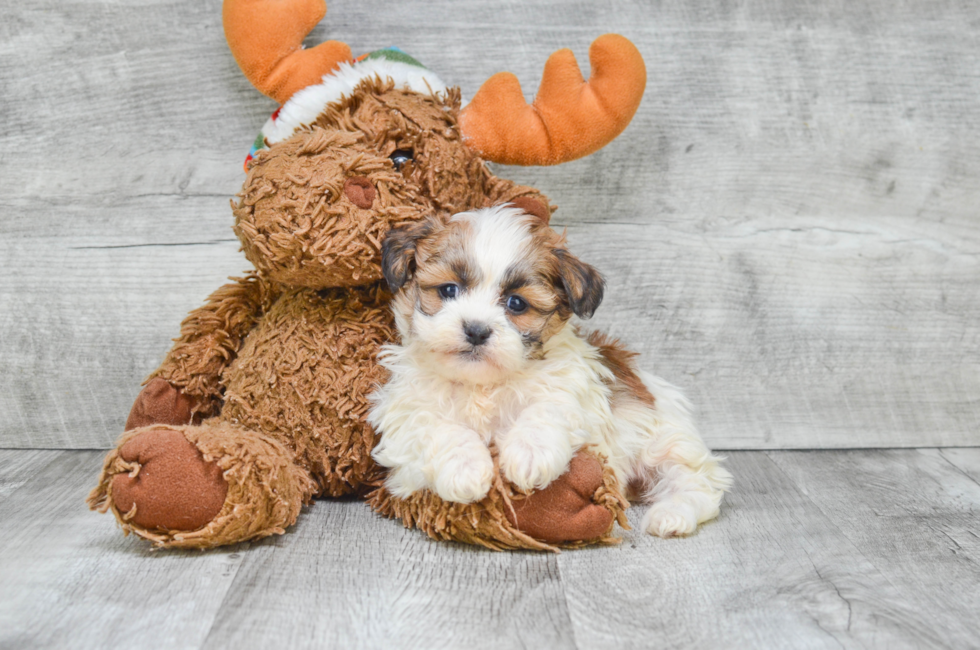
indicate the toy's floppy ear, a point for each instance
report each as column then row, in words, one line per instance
column 266, row 38
column 570, row 117
column 534, row 207
column 398, row 252
column 583, row 285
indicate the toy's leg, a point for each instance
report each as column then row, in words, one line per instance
column 201, row 486
column 578, row 508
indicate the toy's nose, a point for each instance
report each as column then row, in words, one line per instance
column 360, row 191
column 476, row 333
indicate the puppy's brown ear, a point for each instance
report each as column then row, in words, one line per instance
column 583, row 285
column 398, row 252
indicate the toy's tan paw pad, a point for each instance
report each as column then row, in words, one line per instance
column 173, row 487
column 160, row 403
column 564, row 511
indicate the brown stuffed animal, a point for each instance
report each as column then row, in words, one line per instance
column 259, row 406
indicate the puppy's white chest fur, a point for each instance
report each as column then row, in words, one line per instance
column 537, row 417
column 481, row 408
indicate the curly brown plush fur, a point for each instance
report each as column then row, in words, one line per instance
column 303, row 377
column 275, row 369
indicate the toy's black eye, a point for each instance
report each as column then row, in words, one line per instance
column 448, row 291
column 401, row 156
column 517, row 305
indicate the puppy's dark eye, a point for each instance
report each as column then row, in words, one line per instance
column 401, row 156
column 448, row 291
column 517, row 305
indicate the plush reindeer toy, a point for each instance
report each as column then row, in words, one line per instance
column 260, row 405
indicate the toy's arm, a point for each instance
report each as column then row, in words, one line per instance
column 210, row 338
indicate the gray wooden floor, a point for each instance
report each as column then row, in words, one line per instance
column 814, row 549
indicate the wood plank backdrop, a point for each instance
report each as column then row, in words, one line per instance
column 789, row 226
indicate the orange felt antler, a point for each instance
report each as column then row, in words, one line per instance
column 266, row 38
column 570, row 117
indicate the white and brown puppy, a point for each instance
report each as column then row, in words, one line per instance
column 482, row 303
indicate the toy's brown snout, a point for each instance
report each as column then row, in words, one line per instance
column 360, row 191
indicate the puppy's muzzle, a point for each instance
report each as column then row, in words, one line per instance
column 477, row 333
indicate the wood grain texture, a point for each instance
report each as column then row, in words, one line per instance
column 19, row 466
column 965, row 460
column 915, row 517
column 346, row 577
column 772, row 572
column 68, row 578
column 796, row 198
column 831, row 549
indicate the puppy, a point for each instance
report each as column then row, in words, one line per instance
column 482, row 303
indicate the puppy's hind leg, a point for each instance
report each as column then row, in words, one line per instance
column 680, row 477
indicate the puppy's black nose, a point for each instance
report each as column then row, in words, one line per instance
column 476, row 333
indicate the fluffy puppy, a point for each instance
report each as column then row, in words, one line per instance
column 488, row 355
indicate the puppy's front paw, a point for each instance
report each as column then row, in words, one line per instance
column 670, row 518
column 465, row 474
column 530, row 466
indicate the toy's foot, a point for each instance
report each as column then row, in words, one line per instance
column 171, row 486
column 564, row 511
column 201, row 486
column 161, row 403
